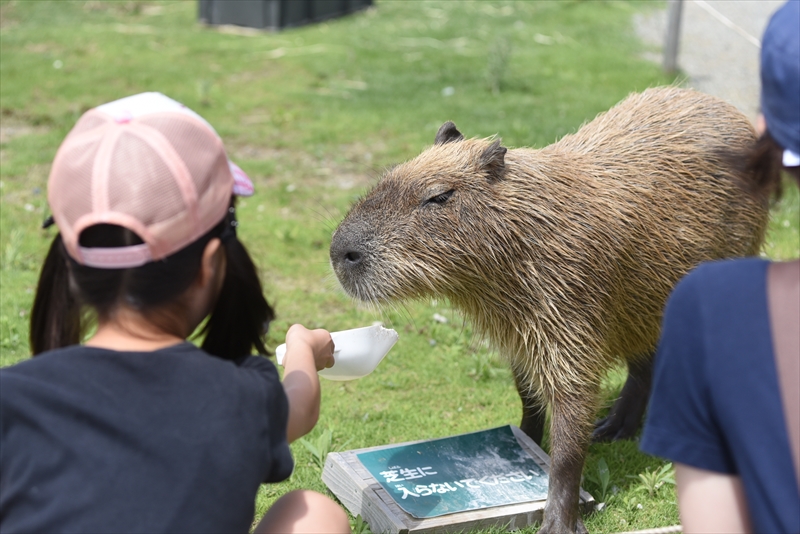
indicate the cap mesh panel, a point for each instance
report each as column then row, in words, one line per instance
column 141, row 184
column 197, row 147
column 72, row 184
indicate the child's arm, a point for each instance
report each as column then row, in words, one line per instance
column 307, row 351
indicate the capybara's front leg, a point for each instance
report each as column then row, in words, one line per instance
column 533, row 413
column 569, row 438
column 625, row 417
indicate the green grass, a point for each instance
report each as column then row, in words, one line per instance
column 313, row 115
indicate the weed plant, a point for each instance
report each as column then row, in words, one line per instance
column 314, row 114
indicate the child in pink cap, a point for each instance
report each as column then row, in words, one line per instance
column 131, row 428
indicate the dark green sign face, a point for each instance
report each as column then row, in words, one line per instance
column 459, row 473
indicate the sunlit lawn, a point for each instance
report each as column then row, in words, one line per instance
column 313, row 115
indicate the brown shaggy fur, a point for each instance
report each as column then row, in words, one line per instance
column 563, row 257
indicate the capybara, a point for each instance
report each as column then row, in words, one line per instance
column 564, row 256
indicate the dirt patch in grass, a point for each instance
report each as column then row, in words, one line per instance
column 10, row 129
column 350, row 168
column 7, row 19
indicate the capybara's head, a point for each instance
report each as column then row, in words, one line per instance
column 415, row 233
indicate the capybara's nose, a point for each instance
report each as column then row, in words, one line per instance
column 345, row 251
column 352, row 258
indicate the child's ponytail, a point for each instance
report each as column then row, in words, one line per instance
column 56, row 314
column 241, row 316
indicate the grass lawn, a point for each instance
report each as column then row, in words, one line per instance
column 313, row 115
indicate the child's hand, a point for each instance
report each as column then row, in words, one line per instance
column 318, row 342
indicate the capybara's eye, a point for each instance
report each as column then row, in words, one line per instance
column 440, row 198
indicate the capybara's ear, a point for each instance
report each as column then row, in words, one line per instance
column 448, row 133
column 493, row 160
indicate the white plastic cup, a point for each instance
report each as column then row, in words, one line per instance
column 357, row 352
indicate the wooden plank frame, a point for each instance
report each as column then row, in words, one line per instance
column 360, row 493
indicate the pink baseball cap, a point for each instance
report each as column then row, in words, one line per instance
column 149, row 164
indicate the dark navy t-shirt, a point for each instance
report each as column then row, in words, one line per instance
column 716, row 402
column 173, row 440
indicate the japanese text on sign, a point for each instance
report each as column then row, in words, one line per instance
column 393, row 475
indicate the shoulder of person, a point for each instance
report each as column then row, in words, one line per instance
column 46, row 358
column 713, row 283
column 722, row 274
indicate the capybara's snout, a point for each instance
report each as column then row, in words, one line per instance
column 351, row 259
column 347, row 252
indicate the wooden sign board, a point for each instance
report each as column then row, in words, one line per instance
column 495, row 477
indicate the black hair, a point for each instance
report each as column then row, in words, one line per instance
column 240, row 319
column 236, row 325
column 56, row 313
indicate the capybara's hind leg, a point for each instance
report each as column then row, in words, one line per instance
column 533, row 413
column 569, row 437
column 625, row 417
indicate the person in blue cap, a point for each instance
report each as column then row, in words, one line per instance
column 725, row 404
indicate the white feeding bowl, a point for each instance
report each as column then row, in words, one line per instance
column 358, row 351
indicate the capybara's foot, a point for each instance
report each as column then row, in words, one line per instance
column 560, row 527
column 621, row 423
column 625, row 417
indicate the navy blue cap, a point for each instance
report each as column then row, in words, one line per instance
column 780, row 76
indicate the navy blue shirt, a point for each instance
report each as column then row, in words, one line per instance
column 173, row 440
column 716, row 402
